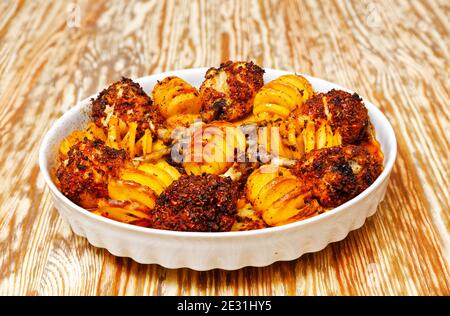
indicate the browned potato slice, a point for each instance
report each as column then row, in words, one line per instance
column 130, row 191
column 278, row 98
column 175, row 96
column 143, row 178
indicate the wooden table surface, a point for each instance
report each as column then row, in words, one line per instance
column 395, row 53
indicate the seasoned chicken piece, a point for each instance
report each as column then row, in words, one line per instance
column 228, row 91
column 83, row 176
column 128, row 101
column 345, row 113
column 205, row 203
column 338, row 174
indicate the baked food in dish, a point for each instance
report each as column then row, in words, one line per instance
column 324, row 153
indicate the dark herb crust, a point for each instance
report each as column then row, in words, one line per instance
column 205, row 203
column 233, row 99
column 338, row 174
column 83, row 178
column 130, row 103
column 345, row 112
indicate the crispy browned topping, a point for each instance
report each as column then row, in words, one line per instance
column 336, row 175
column 346, row 113
column 228, row 91
column 197, row 203
column 349, row 115
column 130, row 103
column 83, row 178
column 313, row 108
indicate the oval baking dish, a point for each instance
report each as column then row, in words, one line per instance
column 224, row 250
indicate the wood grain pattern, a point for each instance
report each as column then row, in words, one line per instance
column 394, row 53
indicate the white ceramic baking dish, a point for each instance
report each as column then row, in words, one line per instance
column 227, row 250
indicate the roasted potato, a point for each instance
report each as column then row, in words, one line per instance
column 156, row 176
column 131, row 191
column 123, row 211
column 278, row 98
column 174, row 96
column 181, row 120
column 271, row 144
column 144, row 184
column 213, row 148
column 162, row 170
column 277, row 195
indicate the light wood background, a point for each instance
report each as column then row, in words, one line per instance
column 395, row 53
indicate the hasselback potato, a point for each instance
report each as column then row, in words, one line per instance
column 124, row 211
column 174, row 96
column 143, row 184
column 278, row 195
column 213, row 148
column 303, row 135
column 278, row 98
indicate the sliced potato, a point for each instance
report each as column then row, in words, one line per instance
column 172, row 171
column 129, row 140
column 273, row 191
column 154, row 170
column 285, row 208
column 113, row 138
column 279, row 97
column 143, row 178
column 276, row 194
column 273, row 108
column 181, row 120
column 175, row 96
column 260, row 178
column 92, row 132
column 301, row 83
column 308, row 135
column 121, row 214
column 130, row 191
column 144, row 145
